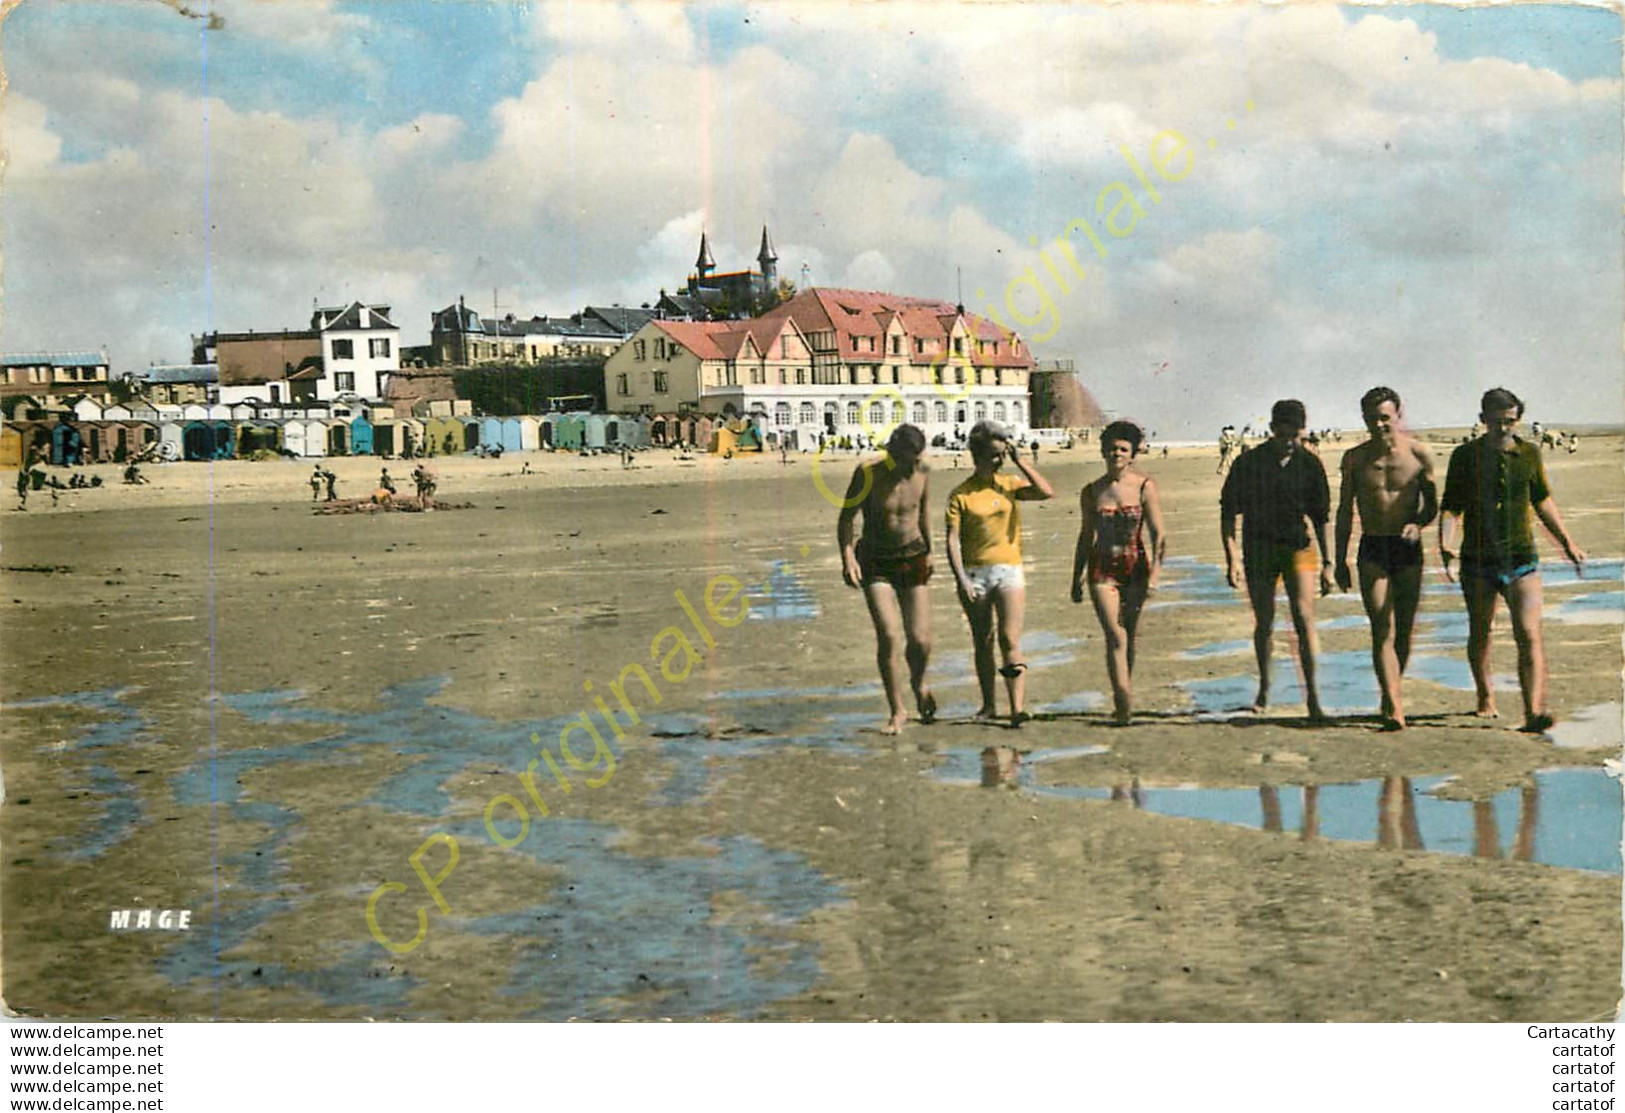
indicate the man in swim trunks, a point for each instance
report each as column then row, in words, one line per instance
column 1390, row 479
column 891, row 562
column 1494, row 489
column 1278, row 488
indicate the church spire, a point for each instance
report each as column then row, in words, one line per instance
column 705, row 264
column 767, row 254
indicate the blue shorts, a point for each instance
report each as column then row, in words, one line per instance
column 1499, row 574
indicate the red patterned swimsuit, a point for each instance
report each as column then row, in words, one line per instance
column 1118, row 555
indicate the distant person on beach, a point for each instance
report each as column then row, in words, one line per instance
column 316, row 484
column 22, row 488
column 1389, row 479
column 423, row 478
column 1119, row 554
column 1228, row 443
column 891, row 563
column 1278, row 488
column 332, row 481
column 984, row 551
column 385, row 483
column 1494, row 489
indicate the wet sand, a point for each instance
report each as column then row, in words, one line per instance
column 216, row 699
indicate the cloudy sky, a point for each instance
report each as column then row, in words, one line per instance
column 1419, row 196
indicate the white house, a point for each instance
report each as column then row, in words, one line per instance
column 361, row 348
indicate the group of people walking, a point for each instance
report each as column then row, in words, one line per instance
column 1275, row 512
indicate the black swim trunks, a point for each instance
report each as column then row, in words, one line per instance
column 1391, row 554
column 906, row 567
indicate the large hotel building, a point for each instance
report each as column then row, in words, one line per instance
column 829, row 361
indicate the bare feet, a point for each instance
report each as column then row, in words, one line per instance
column 927, row 702
column 1121, row 717
column 1392, row 723
column 1261, row 702
column 895, row 724
column 1486, row 709
column 986, row 715
column 1017, row 718
column 1317, row 714
column 1538, row 722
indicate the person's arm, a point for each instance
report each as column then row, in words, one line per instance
column 1229, row 510
column 925, row 502
column 956, row 563
column 1451, row 508
column 1152, row 498
column 1345, row 517
column 1546, row 511
column 1086, row 537
column 846, row 531
column 1320, row 510
column 1037, row 488
column 1427, row 495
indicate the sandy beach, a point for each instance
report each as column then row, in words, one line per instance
column 218, row 700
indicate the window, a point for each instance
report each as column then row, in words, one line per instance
column 660, row 348
column 661, row 385
column 808, row 413
column 1015, row 412
column 896, row 376
column 919, row 347
column 378, row 347
column 640, row 349
column 877, row 414
column 919, row 413
column 998, row 411
column 343, row 349
column 959, row 345
column 784, row 347
column 897, row 345
column 897, row 413
column 621, row 386
column 783, row 378
column 801, row 376
column 852, row 375
column 757, row 377
column 981, row 411
column 939, row 413
column 276, row 393
column 343, row 381
column 781, row 415
column 731, row 374
column 959, row 375
column 851, row 413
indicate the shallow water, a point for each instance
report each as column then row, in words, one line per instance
column 1565, row 817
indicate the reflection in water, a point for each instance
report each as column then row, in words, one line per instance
column 1578, row 827
column 1000, row 765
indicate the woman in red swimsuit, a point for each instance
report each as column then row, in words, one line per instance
column 1119, row 553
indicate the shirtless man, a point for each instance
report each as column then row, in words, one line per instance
column 891, row 562
column 1494, row 488
column 1390, row 479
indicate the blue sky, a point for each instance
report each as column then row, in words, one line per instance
column 1423, row 194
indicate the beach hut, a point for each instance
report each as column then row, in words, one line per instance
column 114, row 413
column 594, row 426
column 94, row 446
column 161, row 412
column 491, row 432
column 87, row 409
column 11, row 447
column 241, row 412
column 443, row 435
column 66, row 443
column 570, row 431
column 219, row 411
column 194, row 411
column 530, row 434
column 361, row 436
column 548, row 430
column 413, row 434
column 513, row 439
column 471, row 431
column 386, row 436
column 172, row 439
column 133, row 438
column 336, row 436
column 293, row 436
column 256, row 436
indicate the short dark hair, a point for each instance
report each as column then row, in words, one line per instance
column 1500, row 398
column 906, row 442
column 983, row 434
column 1123, row 431
column 1289, row 411
column 1376, row 396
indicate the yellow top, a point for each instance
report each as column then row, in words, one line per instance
column 989, row 520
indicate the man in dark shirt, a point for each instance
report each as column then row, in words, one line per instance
column 1495, row 487
column 1279, row 490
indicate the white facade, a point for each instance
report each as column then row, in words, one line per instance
column 361, row 348
column 871, row 411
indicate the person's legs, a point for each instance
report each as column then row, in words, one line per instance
column 979, row 612
column 1109, row 608
column 1480, row 593
column 1524, row 603
column 1261, row 594
column 1405, row 584
column 1010, row 604
column 1378, row 594
column 888, row 620
column 1133, row 596
column 915, row 600
column 1302, row 585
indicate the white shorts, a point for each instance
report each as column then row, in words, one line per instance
column 985, row 577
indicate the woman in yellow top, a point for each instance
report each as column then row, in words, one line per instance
column 984, row 551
